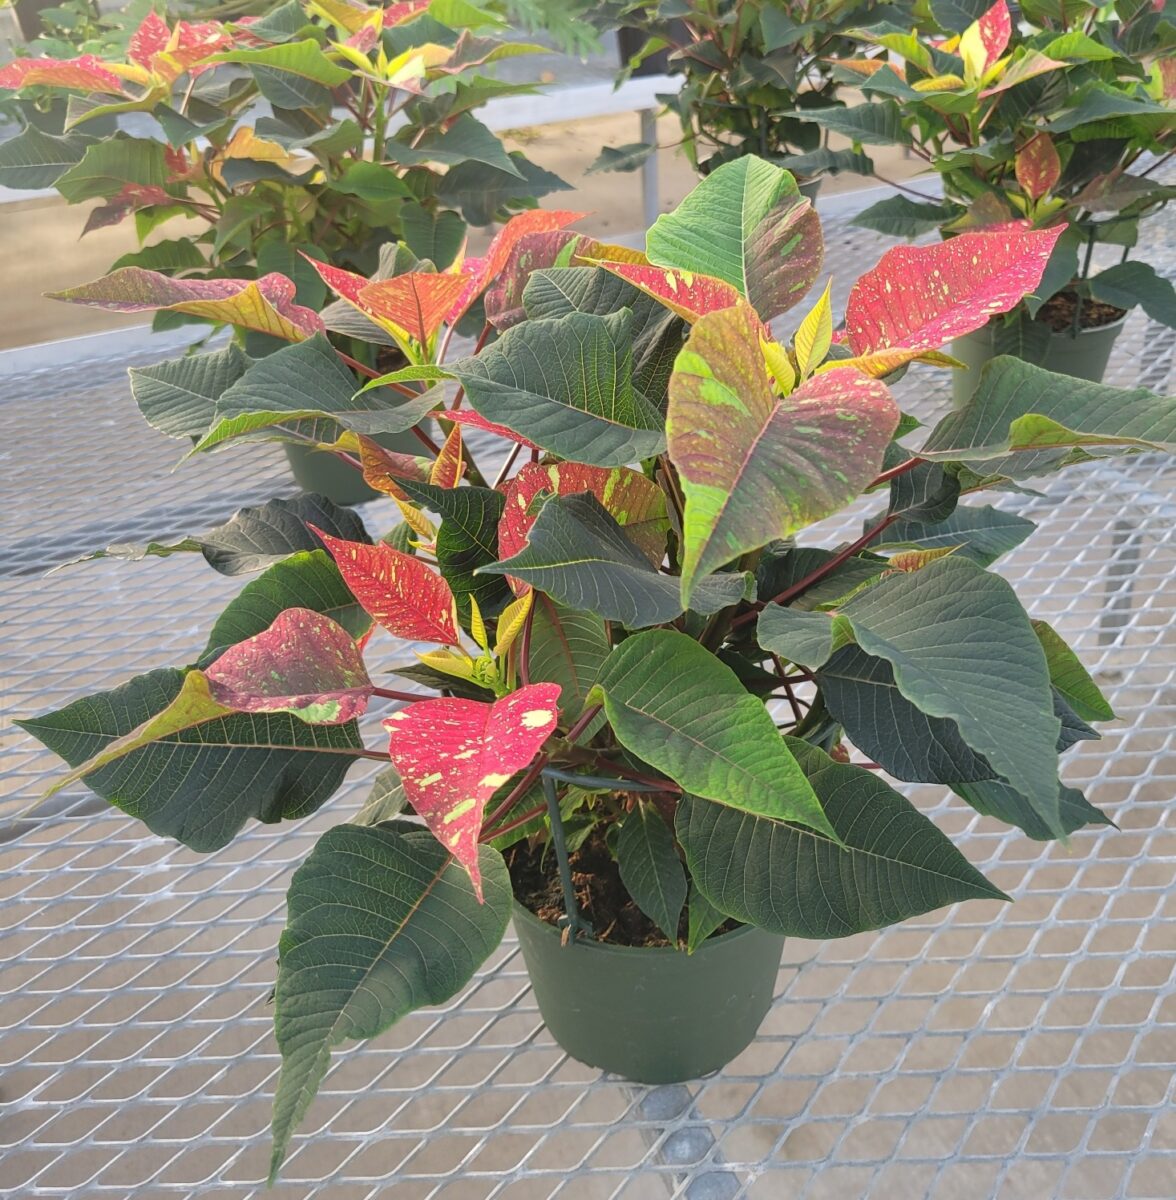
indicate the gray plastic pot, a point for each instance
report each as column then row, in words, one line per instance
column 653, row 1016
column 1083, row 356
column 325, row 473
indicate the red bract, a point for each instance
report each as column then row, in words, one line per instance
column 83, row 74
column 475, row 420
column 533, row 252
column 996, row 27
column 453, row 755
column 148, row 40
column 400, row 592
column 923, row 296
column 304, row 664
column 1038, row 167
column 689, row 295
column 417, row 302
column 397, row 14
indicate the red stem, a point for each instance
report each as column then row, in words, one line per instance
column 820, row 573
column 520, row 789
column 490, row 835
column 894, row 472
column 586, row 718
column 389, row 694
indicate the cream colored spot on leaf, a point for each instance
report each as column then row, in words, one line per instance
column 537, row 718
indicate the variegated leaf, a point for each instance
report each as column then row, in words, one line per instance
column 453, row 755
column 304, row 664
column 686, row 293
column 920, row 297
column 403, row 594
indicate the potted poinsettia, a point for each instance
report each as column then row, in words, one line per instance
column 749, row 75
column 1048, row 119
column 655, row 730
column 344, row 134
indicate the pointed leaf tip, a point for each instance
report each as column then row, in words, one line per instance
column 453, row 755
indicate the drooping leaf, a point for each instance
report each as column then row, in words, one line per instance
column 1024, row 408
column 178, row 397
column 1070, row 677
column 466, row 541
column 755, row 466
column 702, row 919
column 475, row 420
column 569, row 648
column 453, row 755
column 892, row 862
column 675, row 706
column 567, row 385
column 797, row 635
column 380, row 921
column 578, row 554
column 962, row 648
column 35, row 159
column 992, row 798
column 307, row 579
column 164, row 752
column 1127, row 284
column 402, row 593
column 385, row 801
column 306, row 392
column 650, row 868
column 256, row 538
column 636, row 503
column 923, row 296
column 265, row 305
column 304, row 664
column 746, row 223
column 982, row 534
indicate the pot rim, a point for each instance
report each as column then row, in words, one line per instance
column 520, row 910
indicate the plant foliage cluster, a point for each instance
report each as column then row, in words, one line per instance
column 623, row 609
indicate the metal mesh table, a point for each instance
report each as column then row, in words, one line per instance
column 989, row 1051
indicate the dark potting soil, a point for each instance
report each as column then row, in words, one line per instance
column 1058, row 313
column 600, row 894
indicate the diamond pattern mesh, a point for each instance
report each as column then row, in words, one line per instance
column 989, row 1051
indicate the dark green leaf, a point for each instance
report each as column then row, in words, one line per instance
column 900, row 216
column 878, row 123
column 465, row 140
column 202, row 783
column 894, row 863
column 34, row 159
column 702, row 919
column 992, row 798
column 178, row 397
column 1130, row 283
column 826, row 161
column 568, row 648
column 435, row 236
column 108, row 165
column 651, row 869
column 308, row 579
column 481, row 192
column 178, row 255
column 982, row 534
column 466, row 541
column 567, row 385
column 796, row 635
column 675, row 706
column 386, row 800
column 578, row 554
column 622, row 158
column 381, row 921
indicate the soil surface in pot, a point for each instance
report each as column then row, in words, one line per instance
column 1058, row 313
column 600, row 894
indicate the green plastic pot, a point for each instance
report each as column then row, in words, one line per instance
column 653, row 1016
column 1083, row 355
column 325, row 473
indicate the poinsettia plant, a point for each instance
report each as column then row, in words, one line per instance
column 622, row 646
column 1061, row 117
column 750, row 72
column 330, row 131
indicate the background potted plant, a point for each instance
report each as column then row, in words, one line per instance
column 340, row 133
column 642, row 679
column 750, row 74
column 1060, row 119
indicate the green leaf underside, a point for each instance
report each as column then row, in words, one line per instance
column 675, row 706
column 893, row 863
column 982, row 533
column 753, row 466
column 702, row 919
column 578, row 554
column 385, row 801
column 306, row 389
column 178, row 397
column 381, row 921
column 567, row 385
column 1022, row 407
column 746, row 224
column 308, row 579
column 962, row 648
column 650, row 868
column 199, row 785
column 992, row 798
